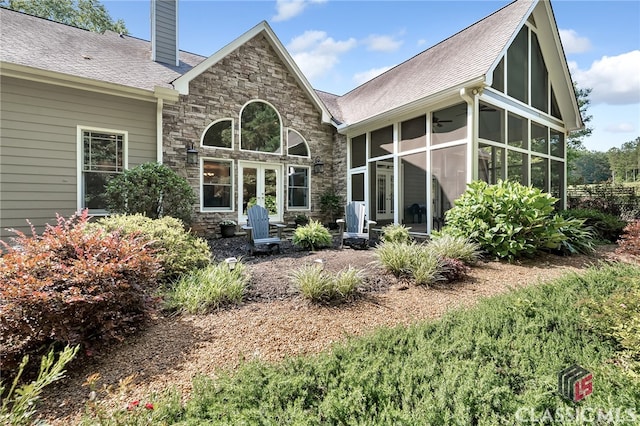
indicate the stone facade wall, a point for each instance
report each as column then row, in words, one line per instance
column 252, row 72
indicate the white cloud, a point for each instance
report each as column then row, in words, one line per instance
column 422, row 42
column 316, row 53
column 287, row 9
column 363, row 77
column 573, row 43
column 615, row 80
column 382, row 43
column 621, row 127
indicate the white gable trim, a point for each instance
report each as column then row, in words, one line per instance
column 181, row 84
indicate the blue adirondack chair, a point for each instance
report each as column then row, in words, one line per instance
column 355, row 226
column 257, row 228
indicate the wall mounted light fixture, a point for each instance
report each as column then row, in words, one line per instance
column 192, row 155
column 318, row 166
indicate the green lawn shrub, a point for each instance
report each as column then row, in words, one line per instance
column 509, row 220
column 319, row 286
column 607, row 227
column 413, row 260
column 312, row 236
column 396, row 233
column 629, row 243
column 73, row 285
column 178, row 250
column 207, row 289
column 459, row 248
column 152, row 189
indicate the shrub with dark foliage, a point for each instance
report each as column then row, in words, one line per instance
column 629, row 243
column 453, row 269
column 72, row 285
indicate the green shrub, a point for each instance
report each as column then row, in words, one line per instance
column 312, row 236
column 73, row 285
column 178, row 250
column 607, row 226
column 396, row 233
column 207, row 289
column 319, row 286
column 460, row 248
column 578, row 237
column 629, row 243
column 508, row 220
column 413, row 260
column 19, row 402
column 153, row 190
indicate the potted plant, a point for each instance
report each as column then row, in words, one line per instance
column 227, row 228
column 301, row 219
column 331, row 207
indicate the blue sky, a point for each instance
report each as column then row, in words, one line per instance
column 340, row 44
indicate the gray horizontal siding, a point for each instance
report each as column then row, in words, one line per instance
column 38, row 144
column 165, row 31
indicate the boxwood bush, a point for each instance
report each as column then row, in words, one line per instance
column 72, row 285
column 509, row 220
column 177, row 249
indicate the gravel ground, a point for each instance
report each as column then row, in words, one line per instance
column 274, row 322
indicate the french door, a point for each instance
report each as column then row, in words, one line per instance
column 384, row 190
column 260, row 183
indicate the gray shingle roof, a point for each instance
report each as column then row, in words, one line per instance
column 463, row 57
column 39, row 43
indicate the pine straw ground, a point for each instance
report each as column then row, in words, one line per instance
column 274, row 322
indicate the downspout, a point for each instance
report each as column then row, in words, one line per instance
column 159, row 105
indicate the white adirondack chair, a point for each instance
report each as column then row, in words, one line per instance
column 257, row 228
column 355, row 225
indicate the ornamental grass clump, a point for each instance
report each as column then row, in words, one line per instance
column 312, row 236
column 413, row 260
column 207, row 289
column 459, row 248
column 321, row 287
column 396, row 233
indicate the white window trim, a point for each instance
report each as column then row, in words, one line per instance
column 279, row 152
column 308, row 207
column 288, row 129
column 218, row 147
column 80, row 166
column 204, row 209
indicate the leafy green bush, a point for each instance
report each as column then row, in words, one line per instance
column 19, row 402
column 508, row 220
column 630, row 241
column 73, row 285
column 206, row 289
column 607, row 226
column 578, row 237
column 460, row 248
column 178, row 250
column 312, row 236
column 153, row 190
column 396, row 233
column 319, row 286
column 413, row 260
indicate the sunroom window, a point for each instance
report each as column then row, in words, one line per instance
column 260, row 128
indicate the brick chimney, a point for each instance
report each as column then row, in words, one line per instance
column 164, row 31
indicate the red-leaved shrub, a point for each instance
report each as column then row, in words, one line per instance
column 629, row 243
column 453, row 269
column 72, row 285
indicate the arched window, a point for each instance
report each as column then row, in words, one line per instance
column 260, row 128
column 219, row 134
column 296, row 145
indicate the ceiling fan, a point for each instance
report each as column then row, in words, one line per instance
column 438, row 123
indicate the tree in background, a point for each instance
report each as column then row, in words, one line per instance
column 625, row 161
column 87, row 14
column 590, row 167
column 575, row 146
